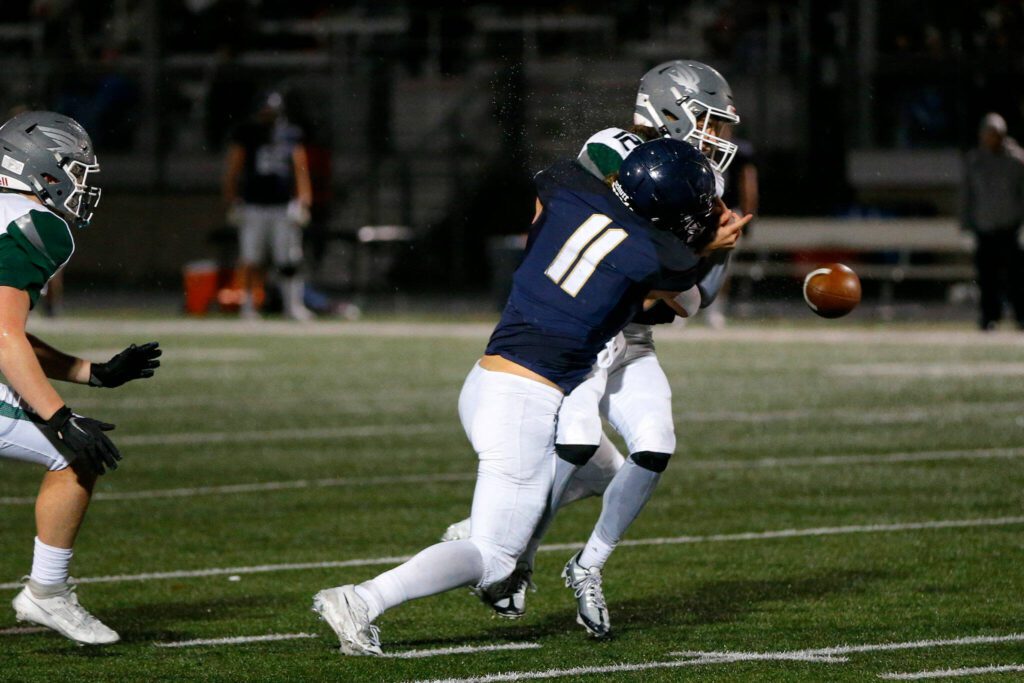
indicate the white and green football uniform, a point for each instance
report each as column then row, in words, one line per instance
column 627, row 387
column 34, row 245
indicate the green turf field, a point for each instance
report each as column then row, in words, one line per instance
column 832, row 493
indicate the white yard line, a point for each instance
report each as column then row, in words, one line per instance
column 881, row 458
column 828, row 655
column 676, row 540
column 230, row 571
column 397, row 402
column 237, row 640
column 460, row 650
column 589, row 671
column 304, row 434
column 407, row 654
column 927, row 370
column 22, row 630
column 263, row 487
column 953, row 673
column 762, row 463
column 214, row 355
column 842, row 650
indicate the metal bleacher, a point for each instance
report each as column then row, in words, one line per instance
column 889, row 251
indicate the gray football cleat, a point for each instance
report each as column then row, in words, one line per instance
column 508, row 598
column 63, row 614
column 346, row 613
column 591, row 610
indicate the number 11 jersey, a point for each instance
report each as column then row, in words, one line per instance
column 588, row 265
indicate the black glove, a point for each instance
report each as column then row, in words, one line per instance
column 658, row 314
column 85, row 438
column 135, row 362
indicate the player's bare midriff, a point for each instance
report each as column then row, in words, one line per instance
column 500, row 364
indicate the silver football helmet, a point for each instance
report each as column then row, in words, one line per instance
column 51, row 156
column 689, row 101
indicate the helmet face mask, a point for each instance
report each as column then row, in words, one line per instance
column 51, row 156
column 690, row 102
column 84, row 199
column 696, row 230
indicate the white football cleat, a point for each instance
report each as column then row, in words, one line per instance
column 457, row 532
column 591, row 610
column 508, row 598
column 63, row 614
column 346, row 613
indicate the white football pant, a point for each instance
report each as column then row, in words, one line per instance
column 510, row 421
column 23, row 439
column 263, row 226
column 633, row 394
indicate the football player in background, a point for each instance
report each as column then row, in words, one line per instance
column 268, row 194
column 593, row 256
column 691, row 102
column 45, row 162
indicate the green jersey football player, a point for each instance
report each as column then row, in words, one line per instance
column 45, row 163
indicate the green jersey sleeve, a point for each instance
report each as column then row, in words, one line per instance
column 603, row 153
column 32, row 249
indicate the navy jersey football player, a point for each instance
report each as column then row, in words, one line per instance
column 691, row 102
column 593, row 257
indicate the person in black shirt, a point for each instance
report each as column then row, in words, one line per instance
column 268, row 193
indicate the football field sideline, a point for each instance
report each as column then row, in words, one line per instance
column 554, row 547
column 813, row 332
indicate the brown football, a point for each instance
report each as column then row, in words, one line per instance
column 832, row 290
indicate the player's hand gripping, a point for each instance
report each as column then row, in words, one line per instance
column 135, row 362
column 85, row 438
column 730, row 227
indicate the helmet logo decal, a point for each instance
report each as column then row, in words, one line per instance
column 64, row 142
column 685, row 78
column 12, row 165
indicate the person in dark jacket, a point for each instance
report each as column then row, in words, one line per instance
column 993, row 209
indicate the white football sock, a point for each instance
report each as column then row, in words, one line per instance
column 596, row 552
column 437, row 569
column 293, row 290
column 50, row 564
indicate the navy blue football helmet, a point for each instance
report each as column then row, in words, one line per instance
column 671, row 184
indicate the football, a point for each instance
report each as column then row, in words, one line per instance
column 832, row 290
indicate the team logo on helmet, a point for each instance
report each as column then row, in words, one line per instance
column 685, row 77
column 64, row 143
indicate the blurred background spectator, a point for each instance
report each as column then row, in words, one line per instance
column 268, row 195
column 993, row 209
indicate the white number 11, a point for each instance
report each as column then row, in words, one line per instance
column 582, row 252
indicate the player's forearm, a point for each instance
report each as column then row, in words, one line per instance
column 58, row 365
column 303, row 183
column 232, row 173
column 25, row 375
column 684, row 304
column 711, row 284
